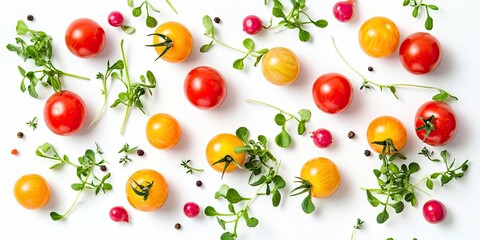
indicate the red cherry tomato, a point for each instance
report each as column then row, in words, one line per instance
column 65, row 113
column 434, row 211
column 420, row 53
column 437, row 118
column 205, row 88
column 85, row 38
column 332, row 92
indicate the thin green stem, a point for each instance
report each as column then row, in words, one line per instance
column 75, row 76
column 272, row 106
column 127, row 74
column 79, row 193
column 125, row 118
column 253, row 54
column 171, row 6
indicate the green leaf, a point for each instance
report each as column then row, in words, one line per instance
column 303, row 35
column 372, row 199
column 283, row 139
column 382, row 217
column 233, row 196
column 301, row 128
column 249, row 44
column 399, row 206
column 136, row 12
column 321, row 23
column 222, row 192
column 276, row 198
column 128, row 29
column 250, row 221
column 208, row 24
column 406, row 2
column 441, row 97
column 206, row 47
column 130, row 3
column 263, row 140
column 210, row 211
column 278, row 12
column 305, row 114
column 231, row 208
column 433, row 7
column 279, row 182
column 55, row 216
column 280, row 119
column 393, row 168
column 414, row 167
column 77, row 186
column 429, row 184
column 151, row 22
column 261, row 180
column 21, row 27
column 429, row 23
column 238, row 64
column 243, row 133
column 307, row 205
column 227, row 236
column 415, row 12
column 221, row 222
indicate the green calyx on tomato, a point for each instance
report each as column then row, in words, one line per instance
column 428, row 126
column 167, row 43
column 305, row 186
column 227, row 160
column 142, row 190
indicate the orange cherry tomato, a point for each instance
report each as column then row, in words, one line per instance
column 163, row 131
column 32, row 191
column 221, row 146
column 323, row 176
column 379, row 37
column 280, row 66
column 178, row 40
column 386, row 127
column 146, row 190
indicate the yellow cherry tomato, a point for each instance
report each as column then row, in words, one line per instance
column 32, row 191
column 163, row 131
column 280, row 66
column 386, row 127
column 379, row 37
column 323, row 176
column 146, row 190
column 178, row 40
column 220, row 147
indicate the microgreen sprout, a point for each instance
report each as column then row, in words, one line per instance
column 190, row 169
column 32, row 123
column 150, row 21
column 126, row 149
column 248, row 43
column 416, row 7
column 85, row 171
column 40, row 51
column 358, row 225
column 442, row 95
column 283, row 139
column 297, row 17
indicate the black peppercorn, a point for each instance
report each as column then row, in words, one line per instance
column 351, row 134
column 367, row 153
column 370, row 68
column 199, row 183
column 20, row 134
column 178, row 226
column 30, row 17
column 103, row 168
column 140, row 152
column 216, row 19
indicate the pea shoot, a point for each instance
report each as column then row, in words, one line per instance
column 283, row 139
column 358, row 225
column 248, row 43
column 150, row 21
column 297, row 17
column 37, row 47
column 85, row 171
column 416, row 8
column 442, row 95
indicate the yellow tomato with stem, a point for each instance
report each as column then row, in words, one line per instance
column 163, row 131
column 221, row 155
column 385, row 128
column 322, row 175
column 172, row 41
column 280, row 66
column 379, row 37
column 32, row 191
column 146, row 190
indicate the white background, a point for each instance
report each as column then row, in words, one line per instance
column 334, row 217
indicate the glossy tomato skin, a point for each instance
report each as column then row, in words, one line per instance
column 379, row 37
column 386, row 127
column 205, row 88
column 65, row 113
column 85, row 38
column 223, row 145
column 323, row 175
column 157, row 190
column 332, row 93
column 163, row 131
column 280, row 66
column 32, row 191
column 444, row 123
column 420, row 53
column 181, row 38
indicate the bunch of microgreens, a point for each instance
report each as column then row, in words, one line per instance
column 441, row 96
column 247, row 43
column 283, row 139
column 126, row 150
column 297, row 17
column 150, row 21
column 264, row 176
column 39, row 49
column 416, row 7
column 395, row 183
column 85, row 172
